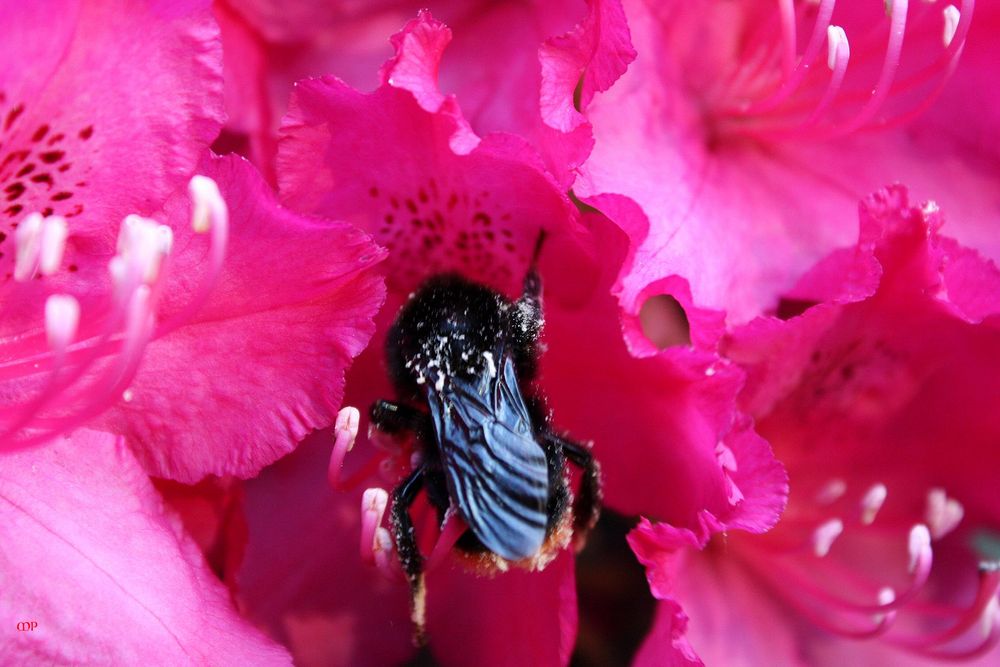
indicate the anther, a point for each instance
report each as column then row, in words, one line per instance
column 989, row 618
column 346, row 432
column 824, row 536
column 836, row 40
column 831, row 491
column 943, row 514
column 872, row 502
column 951, row 18
column 208, row 206
column 27, row 239
column 62, row 316
column 886, row 596
column 373, row 505
column 143, row 243
column 52, row 244
column 919, row 546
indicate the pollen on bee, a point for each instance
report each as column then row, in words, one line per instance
column 488, row 356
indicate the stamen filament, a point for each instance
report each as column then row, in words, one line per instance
column 138, row 278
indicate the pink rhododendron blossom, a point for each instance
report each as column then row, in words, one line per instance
column 403, row 163
column 747, row 131
column 69, row 137
column 89, row 554
column 163, row 315
column 877, row 392
column 514, row 65
column 272, row 352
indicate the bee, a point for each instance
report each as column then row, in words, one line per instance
column 463, row 358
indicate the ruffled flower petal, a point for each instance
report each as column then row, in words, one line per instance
column 105, row 108
column 407, row 168
column 742, row 193
column 876, row 392
column 262, row 361
column 501, row 87
column 676, row 444
column 88, row 551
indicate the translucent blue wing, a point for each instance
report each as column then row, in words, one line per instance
column 496, row 471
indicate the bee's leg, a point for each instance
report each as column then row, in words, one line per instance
column 587, row 508
column 559, row 494
column 410, row 557
column 393, row 418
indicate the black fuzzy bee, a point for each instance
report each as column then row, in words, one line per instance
column 463, row 358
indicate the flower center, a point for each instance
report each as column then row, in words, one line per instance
column 867, row 77
column 76, row 368
column 438, row 228
column 828, row 559
column 36, row 167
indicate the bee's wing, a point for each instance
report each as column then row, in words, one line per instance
column 497, row 472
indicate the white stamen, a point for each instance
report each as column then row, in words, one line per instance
column 951, row 19
column 348, row 420
column 943, row 514
column 374, row 501
column 872, row 503
column 128, row 395
column 27, row 241
column 989, row 617
column 62, row 315
column 885, row 596
column 836, row 39
column 824, row 536
column 207, row 203
column 53, row 243
column 831, row 491
column 144, row 243
column 919, row 544
column 116, row 268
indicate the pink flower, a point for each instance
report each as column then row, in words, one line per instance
column 105, row 575
column 211, row 330
column 746, row 151
column 534, row 59
column 182, row 325
column 68, row 145
column 876, row 391
column 404, row 163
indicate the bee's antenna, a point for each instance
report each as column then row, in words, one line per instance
column 538, row 250
column 532, row 281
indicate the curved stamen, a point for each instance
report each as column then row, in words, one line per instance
column 346, row 430
column 794, row 102
column 872, row 502
column 376, row 544
column 209, row 213
column 87, row 375
column 791, row 82
column 890, row 64
column 983, row 608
